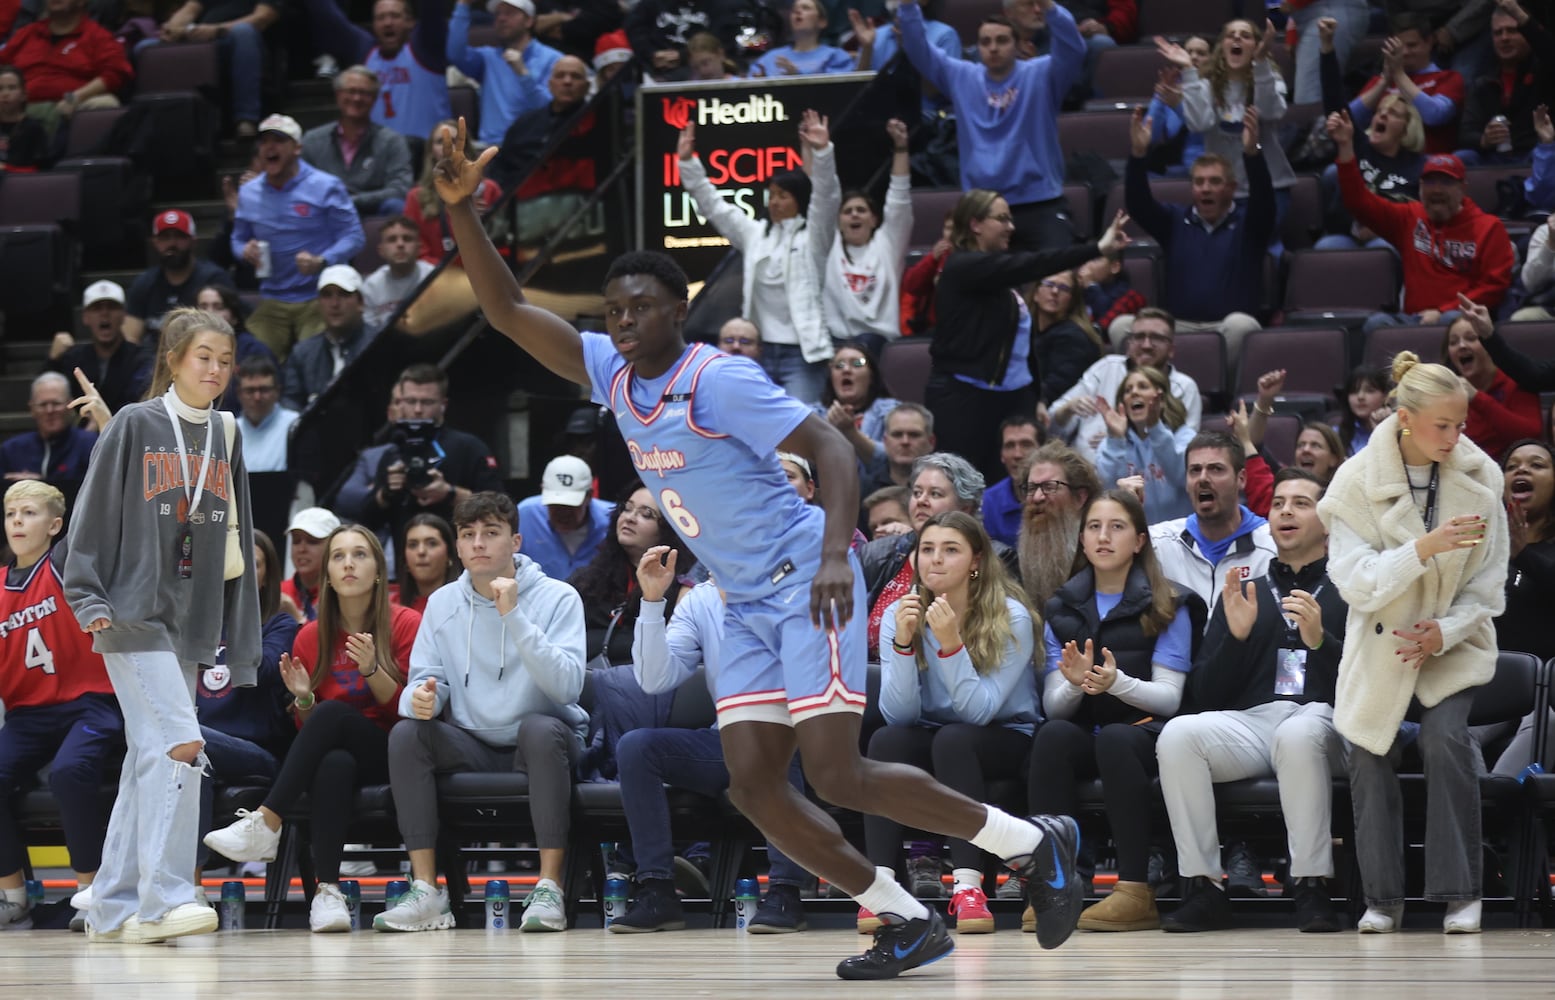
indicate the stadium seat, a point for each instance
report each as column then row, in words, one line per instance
column 1279, row 437
column 1324, row 283
column 165, row 69
column 1316, row 360
column 1480, row 183
column 1167, row 191
column 367, row 259
column 1304, row 221
column 1082, row 210
column 465, row 102
column 88, row 131
column 1537, row 340
column 966, row 15
column 1183, row 17
column 928, row 216
column 1104, row 133
column 1128, row 73
column 1201, row 355
column 41, row 200
column 1144, row 274
column 905, row 367
column 111, row 205
column 1384, row 343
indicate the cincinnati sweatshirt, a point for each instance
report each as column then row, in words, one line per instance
column 123, row 563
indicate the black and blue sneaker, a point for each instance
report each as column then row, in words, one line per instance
column 1053, row 888
column 779, row 912
column 899, row 947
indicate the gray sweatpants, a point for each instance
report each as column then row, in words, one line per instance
column 1295, row 743
column 420, row 750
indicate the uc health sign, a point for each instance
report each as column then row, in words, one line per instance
column 746, row 131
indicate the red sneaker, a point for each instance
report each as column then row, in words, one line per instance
column 868, row 923
column 969, row 908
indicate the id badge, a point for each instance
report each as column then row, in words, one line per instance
column 185, row 553
column 1290, row 677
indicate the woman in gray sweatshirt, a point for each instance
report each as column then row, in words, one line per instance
column 145, row 576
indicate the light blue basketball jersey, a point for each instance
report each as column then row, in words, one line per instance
column 413, row 99
column 704, row 438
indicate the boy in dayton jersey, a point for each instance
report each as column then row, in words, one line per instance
column 59, row 705
column 703, row 429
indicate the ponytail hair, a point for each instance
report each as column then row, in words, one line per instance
column 179, row 328
column 1417, row 384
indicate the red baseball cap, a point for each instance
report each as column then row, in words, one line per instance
column 182, row 221
column 1445, row 164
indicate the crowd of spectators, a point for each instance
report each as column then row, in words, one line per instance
column 1118, row 551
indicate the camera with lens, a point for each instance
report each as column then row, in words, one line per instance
column 415, row 444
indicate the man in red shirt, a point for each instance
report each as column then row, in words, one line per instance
column 1447, row 244
column 70, row 61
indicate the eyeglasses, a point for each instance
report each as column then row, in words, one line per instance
column 1006, row 217
column 843, row 364
column 645, row 512
column 1049, row 487
column 1057, row 286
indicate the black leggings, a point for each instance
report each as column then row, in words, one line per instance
column 963, row 757
column 967, row 418
column 1063, row 754
column 337, row 751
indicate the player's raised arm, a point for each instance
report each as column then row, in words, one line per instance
column 549, row 338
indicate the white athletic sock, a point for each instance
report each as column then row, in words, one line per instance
column 17, row 895
column 886, row 899
column 967, row 878
column 1007, row 837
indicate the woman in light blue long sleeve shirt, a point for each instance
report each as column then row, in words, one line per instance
column 1147, row 436
column 957, row 688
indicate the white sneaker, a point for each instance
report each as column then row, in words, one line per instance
column 1380, row 920
column 82, row 900
column 1462, row 917
column 15, row 916
column 325, row 67
column 423, row 908
column 252, row 869
column 181, row 921
column 360, row 868
column 249, row 839
column 544, row 910
column 329, row 914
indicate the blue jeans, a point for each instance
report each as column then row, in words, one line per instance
column 1352, row 16
column 692, row 759
column 1376, row 321
column 231, row 759
column 148, row 858
column 1344, row 241
column 79, row 740
column 801, row 379
column 242, row 49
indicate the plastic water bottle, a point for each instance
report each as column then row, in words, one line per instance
column 615, row 899
column 35, row 894
column 1531, row 769
column 234, row 897
column 393, row 891
column 746, row 895
column 352, row 890
column 497, row 906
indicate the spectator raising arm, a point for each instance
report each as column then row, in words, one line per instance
column 1138, row 200
column 1529, row 373
column 334, row 33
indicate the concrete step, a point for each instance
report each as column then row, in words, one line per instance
column 15, row 390
column 15, row 423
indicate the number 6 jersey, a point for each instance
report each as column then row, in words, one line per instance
column 45, row 658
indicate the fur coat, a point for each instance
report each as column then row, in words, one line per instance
column 1373, row 523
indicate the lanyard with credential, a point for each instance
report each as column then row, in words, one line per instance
column 1279, row 598
column 185, row 546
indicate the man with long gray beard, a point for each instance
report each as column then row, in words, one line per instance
column 1056, row 483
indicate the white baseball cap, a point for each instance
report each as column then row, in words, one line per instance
column 284, row 124
column 102, row 291
column 567, row 480
column 316, row 522
column 527, row 6
column 342, row 276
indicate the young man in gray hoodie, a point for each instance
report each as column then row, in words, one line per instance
column 495, row 677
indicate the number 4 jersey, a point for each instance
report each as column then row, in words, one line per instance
column 45, row 658
column 703, row 438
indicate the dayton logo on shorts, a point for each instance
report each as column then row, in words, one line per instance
column 658, row 460
column 677, row 111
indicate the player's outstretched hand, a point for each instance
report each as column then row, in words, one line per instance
column 455, row 176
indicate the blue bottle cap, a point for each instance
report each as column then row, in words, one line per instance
column 497, row 888
column 233, row 890
column 351, row 888
column 746, row 887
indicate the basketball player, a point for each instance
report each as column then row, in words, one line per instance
column 703, row 430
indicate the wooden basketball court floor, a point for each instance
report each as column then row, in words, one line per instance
column 1263, row 963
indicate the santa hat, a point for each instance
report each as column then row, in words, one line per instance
column 611, row 48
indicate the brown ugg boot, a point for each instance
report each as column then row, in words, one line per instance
column 1129, row 907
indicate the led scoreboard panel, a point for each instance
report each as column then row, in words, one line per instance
column 746, row 131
